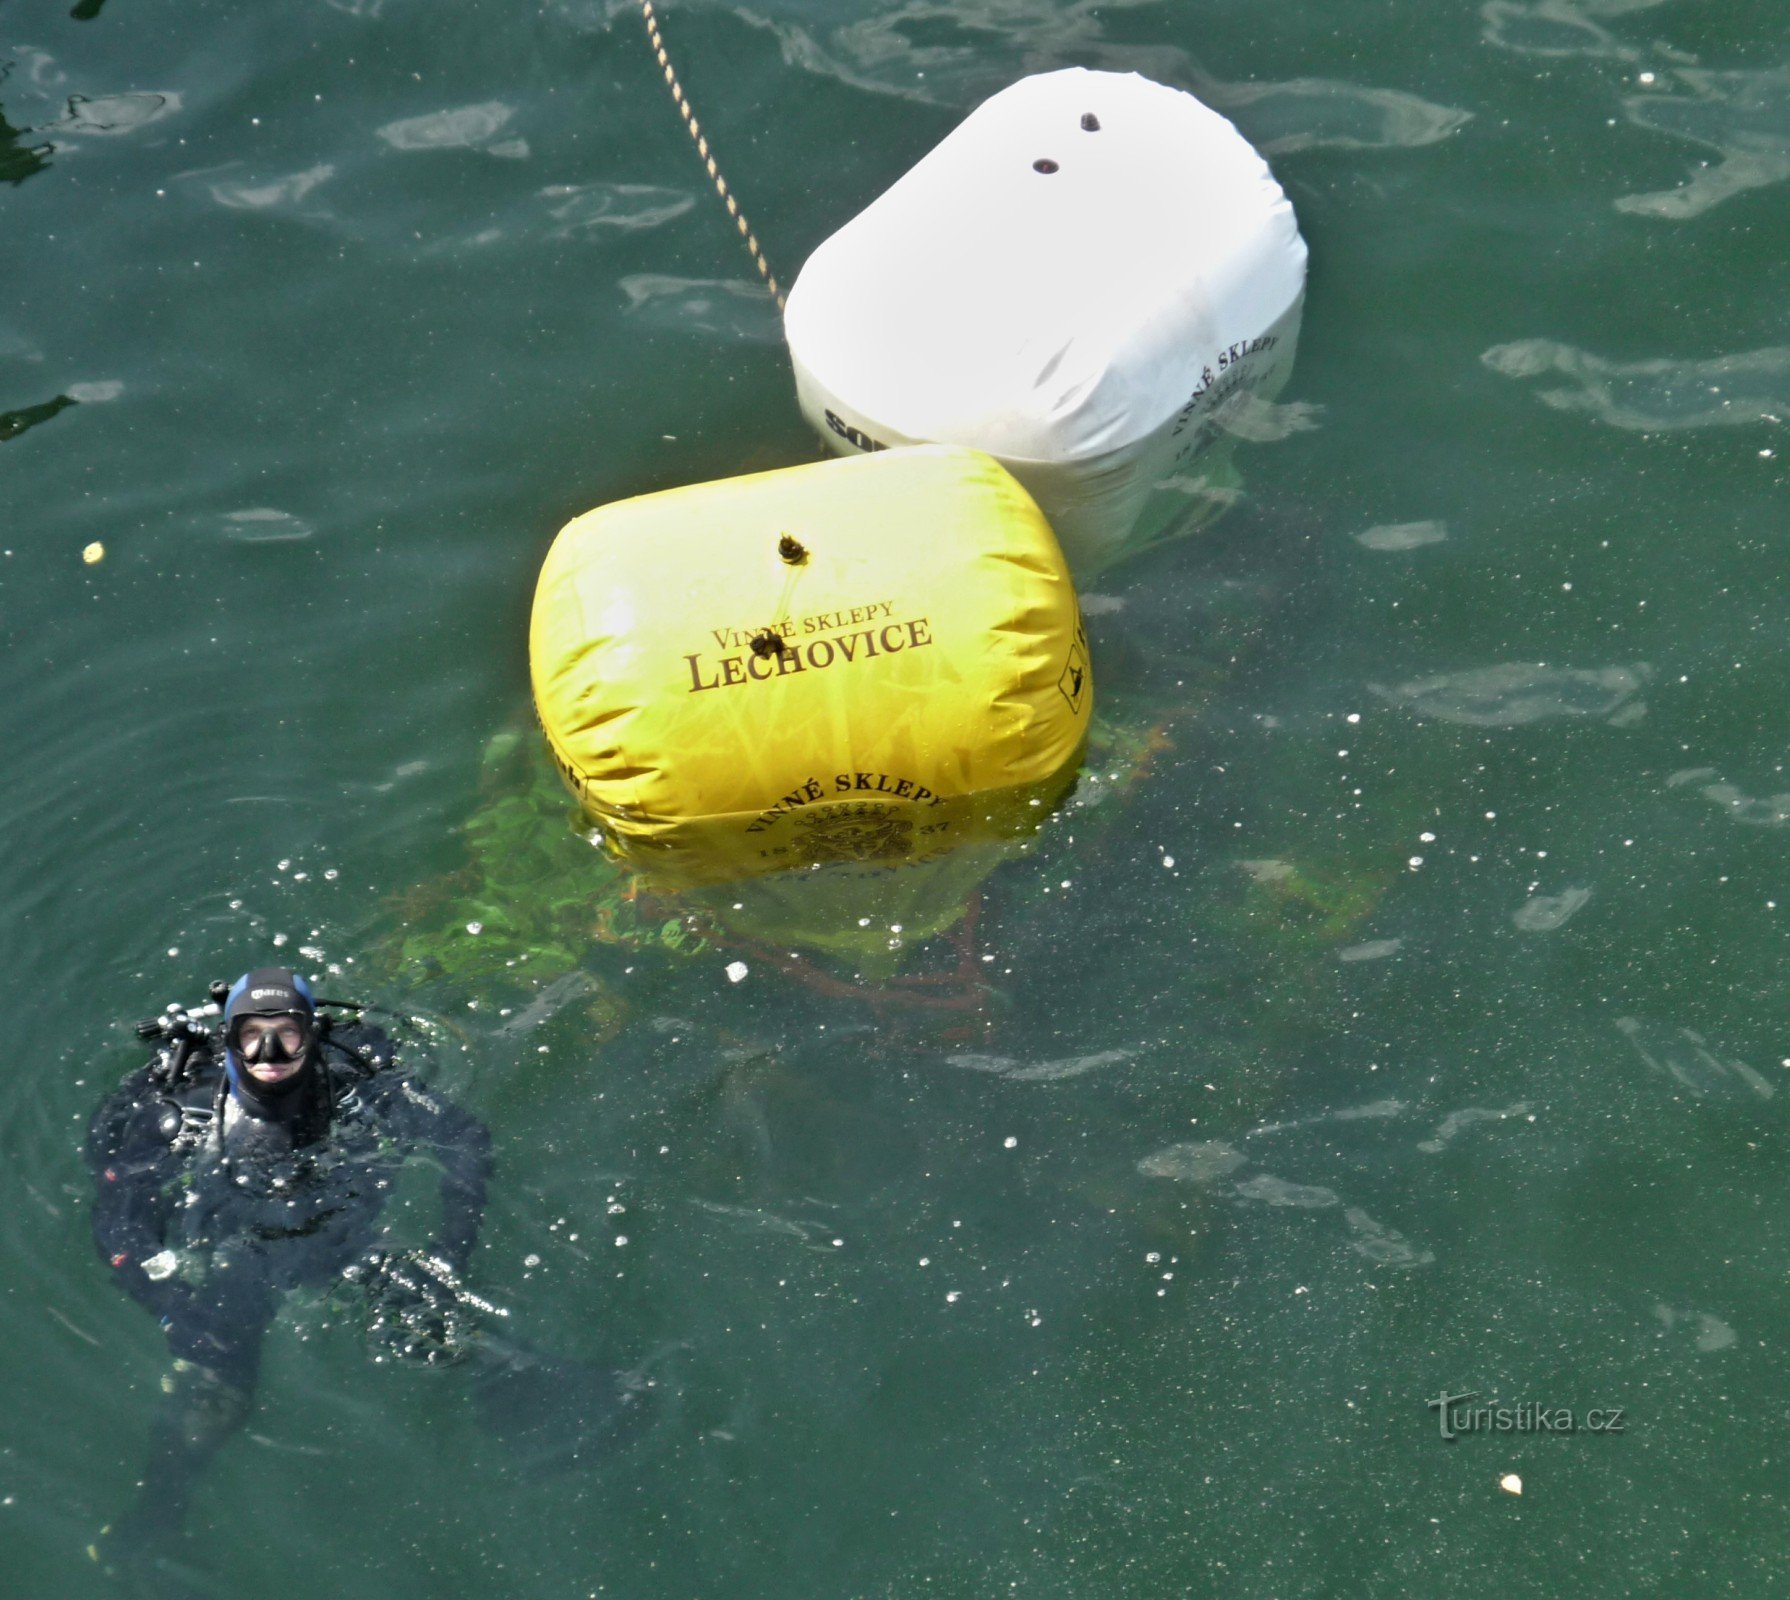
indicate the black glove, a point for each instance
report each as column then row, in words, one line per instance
column 416, row 1308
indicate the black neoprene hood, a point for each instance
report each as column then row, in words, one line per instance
column 269, row 991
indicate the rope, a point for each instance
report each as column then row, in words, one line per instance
column 702, row 149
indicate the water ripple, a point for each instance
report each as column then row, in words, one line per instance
column 1211, row 1161
column 1326, row 113
column 1384, row 1246
column 1753, row 811
column 1457, row 1122
column 276, row 192
column 463, row 128
column 1402, row 535
column 626, row 207
column 1710, row 1333
column 1743, row 116
column 1543, row 913
column 1559, row 27
column 731, row 308
column 1041, row 1071
column 1684, row 1056
column 1518, row 692
column 970, row 50
column 112, row 114
column 1203, row 1162
column 1657, row 395
column 265, row 525
column 1258, row 421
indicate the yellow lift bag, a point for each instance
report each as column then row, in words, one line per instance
column 871, row 660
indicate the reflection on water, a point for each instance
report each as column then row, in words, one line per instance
column 1205, row 1161
column 725, row 308
column 1208, row 1163
column 1326, row 114
column 1708, row 1333
column 929, row 51
column 1743, row 116
column 1684, row 1056
column 82, row 116
column 1544, row 913
column 1560, row 27
column 264, row 196
column 264, row 525
column 1373, row 1111
column 1041, row 1071
column 1402, row 535
column 1251, row 418
column 114, row 114
column 1370, row 950
column 1272, row 1191
column 957, row 54
column 1457, row 1122
column 580, row 208
column 1657, row 395
column 553, row 998
column 1753, row 811
column 465, row 128
column 1384, row 1246
column 1518, row 692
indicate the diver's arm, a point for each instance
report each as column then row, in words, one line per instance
column 427, row 1120
column 131, row 1161
column 424, row 1118
column 463, row 1146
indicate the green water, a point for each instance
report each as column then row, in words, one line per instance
column 1481, row 1057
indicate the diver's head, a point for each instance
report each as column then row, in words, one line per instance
column 270, row 1035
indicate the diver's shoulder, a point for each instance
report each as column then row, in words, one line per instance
column 166, row 1075
column 154, row 1101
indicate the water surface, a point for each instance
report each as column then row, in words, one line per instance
column 1404, row 1017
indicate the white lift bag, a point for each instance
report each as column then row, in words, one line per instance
column 1078, row 281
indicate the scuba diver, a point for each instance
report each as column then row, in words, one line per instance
column 255, row 1158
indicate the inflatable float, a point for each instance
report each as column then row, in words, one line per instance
column 1079, row 280
column 770, row 692
column 869, row 661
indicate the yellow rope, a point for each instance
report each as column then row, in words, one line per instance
column 702, row 149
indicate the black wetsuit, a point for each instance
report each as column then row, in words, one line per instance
column 209, row 1214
